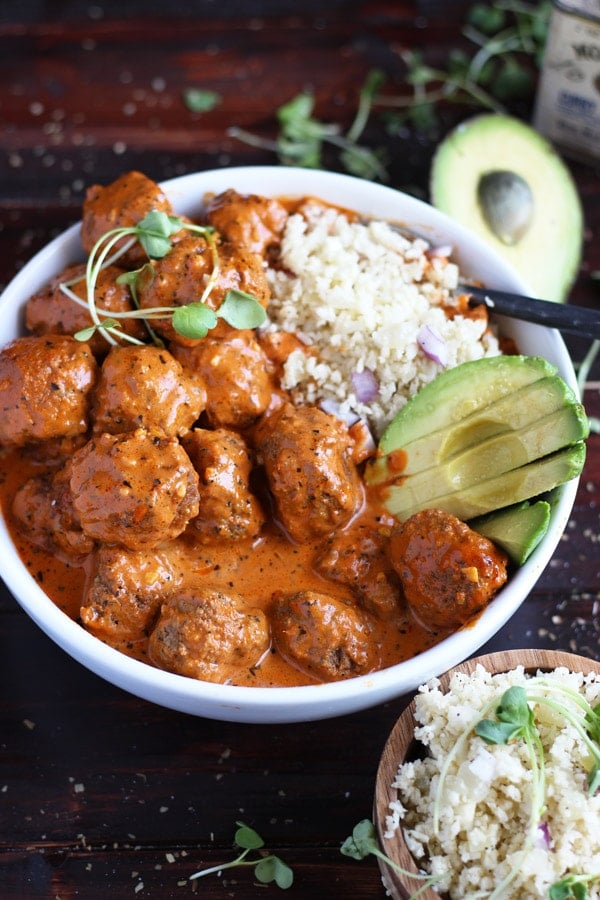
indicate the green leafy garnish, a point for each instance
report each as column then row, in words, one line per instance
column 194, row 320
column 515, row 719
column 241, row 310
column 573, row 887
column 267, row 867
column 507, row 38
column 363, row 842
column 302, row 137
column 201, row 99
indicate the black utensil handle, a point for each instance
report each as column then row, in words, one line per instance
column 573, row 319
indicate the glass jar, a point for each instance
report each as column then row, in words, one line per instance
column 567, row 109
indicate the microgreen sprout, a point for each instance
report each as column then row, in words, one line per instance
column 583, row 371
column 507, row 36
column 194, row 320
column 302, row 137
column 573, row 887
column 507, row 39
column 363, row 842
column 267, row 867
column 515, row 720
column 201, row 99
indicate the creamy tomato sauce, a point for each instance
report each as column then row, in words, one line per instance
column 256, row 569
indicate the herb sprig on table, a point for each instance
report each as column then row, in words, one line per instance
column 193, row 320
column 267, row 867
column 508, row 38
column 363, row 842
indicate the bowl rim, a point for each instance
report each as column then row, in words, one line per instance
column 532, row 660
column 314, row 701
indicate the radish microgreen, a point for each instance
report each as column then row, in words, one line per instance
column 363, row 842
column 194, row 320
column 573, row 887
column 267, row 867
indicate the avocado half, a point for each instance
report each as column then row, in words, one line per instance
column 499, row 177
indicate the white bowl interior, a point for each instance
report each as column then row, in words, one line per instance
column 293, row 704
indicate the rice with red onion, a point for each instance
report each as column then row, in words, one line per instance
column 368, row 303
column 486, row 797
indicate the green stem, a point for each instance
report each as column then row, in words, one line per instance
column 239, row 861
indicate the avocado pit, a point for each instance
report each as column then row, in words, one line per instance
column 507, row 204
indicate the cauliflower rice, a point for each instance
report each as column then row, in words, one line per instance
column 485, row 802
column 359, row 294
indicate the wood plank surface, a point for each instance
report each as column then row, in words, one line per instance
column 102, row 794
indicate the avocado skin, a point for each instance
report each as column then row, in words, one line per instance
column 517, row 529
column 548, row 253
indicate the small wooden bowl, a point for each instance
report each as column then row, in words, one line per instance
column 401, row 745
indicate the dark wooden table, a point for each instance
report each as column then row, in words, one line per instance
column 102, row 794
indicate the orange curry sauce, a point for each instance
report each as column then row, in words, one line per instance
column 255, row 569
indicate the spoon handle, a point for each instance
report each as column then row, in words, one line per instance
column 573, row 319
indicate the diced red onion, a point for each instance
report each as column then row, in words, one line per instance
column 542, row 836
column 332, row 408
column 432, row 344
column 365, row 385
column 441, row 250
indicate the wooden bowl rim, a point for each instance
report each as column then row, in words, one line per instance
column 397, row 747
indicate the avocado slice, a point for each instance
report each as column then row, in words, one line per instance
column 498, row 455
column 511, row 413
column 482, row 436
column 447, row 402
column 517, row 529
column 499, row 177
column 496, row 492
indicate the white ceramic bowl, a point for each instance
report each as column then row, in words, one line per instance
column 293, row 704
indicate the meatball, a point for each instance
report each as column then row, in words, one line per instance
column 322, row 636
column 181, row 277
column 125, row 590
column 237, row 375
column 228, row 508
column 448, row 571
column 137, row 489
column 146, row 387
column 307, row 458
column 43, row 510
column 45, row 385
column 358, row 557
column 254, row 222
column 51, row 310
column 209, row 635
column 121, row 204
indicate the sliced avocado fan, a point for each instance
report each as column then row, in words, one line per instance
column 499, row 177
column 480, row 437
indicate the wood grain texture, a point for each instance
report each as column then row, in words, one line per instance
column 102, row 794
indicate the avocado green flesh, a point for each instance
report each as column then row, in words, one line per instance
column 499, row 454
column 546, row 249
column 447, row 402
column 511, row 413
column 517, row 529
column 493, row 493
